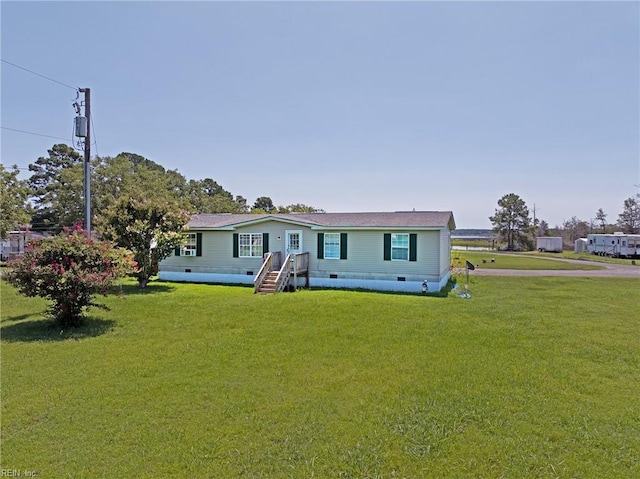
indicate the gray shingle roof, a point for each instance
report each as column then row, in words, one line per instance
column 399, row 219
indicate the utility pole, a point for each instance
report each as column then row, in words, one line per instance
column 87, row 160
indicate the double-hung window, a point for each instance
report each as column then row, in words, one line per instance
column 250, row 245
column 399, row 246
column 332, row 245
column 190, row 246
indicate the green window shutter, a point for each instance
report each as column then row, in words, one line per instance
column 320, row 245
column 343, row 245
column 198, row 244
column 265, row 243
column 177, row 250
column 413, row 247
column 387, row 246
column 235, row 245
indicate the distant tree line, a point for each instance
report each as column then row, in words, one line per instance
column 513, row 223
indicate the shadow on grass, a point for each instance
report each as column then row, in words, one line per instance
column 22, row 317
column 134, row 289
column 49, row 330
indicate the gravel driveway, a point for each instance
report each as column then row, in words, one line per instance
column 609, row 270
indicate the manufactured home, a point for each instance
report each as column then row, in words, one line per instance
column 616, row 244
column 401, row 251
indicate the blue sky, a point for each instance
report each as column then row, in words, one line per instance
column 346, row 106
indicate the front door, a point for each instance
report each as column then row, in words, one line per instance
column 294, row 242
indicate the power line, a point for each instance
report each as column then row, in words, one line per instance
column 38, row 74
column 33, row 133
column 93, row 129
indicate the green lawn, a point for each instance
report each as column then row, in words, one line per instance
column 514, row 261
column 593, row 257
column 531, row 377
column 480, row 255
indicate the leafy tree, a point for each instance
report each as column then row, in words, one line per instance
column 14, row 209
column 264, row 204
column 57, row 184
column 149, row 227
column 129, row 174
column 242, row 203
column 629, row 219
column 69, row 269
column 57, row 189
column 172, row 180
column 574, row 228
column 601, row 217
column 113, row 177
column 139, row 161
column 511, row 220
column 542, row 229
column 142, row 208
column 176, row 182
column 207, row 196
column 299, row 208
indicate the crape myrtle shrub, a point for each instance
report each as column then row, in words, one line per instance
column 69, row 270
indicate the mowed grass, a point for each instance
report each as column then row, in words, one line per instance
column 531, row 377
column 520, row 261
column 593, row 257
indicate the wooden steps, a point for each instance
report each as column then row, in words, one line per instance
column 269, row 283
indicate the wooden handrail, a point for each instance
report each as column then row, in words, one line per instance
column 283, row 274
column 301, row 262
column 266, row 268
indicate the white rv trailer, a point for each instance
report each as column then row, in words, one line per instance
column 616, row 244
column 552, row 244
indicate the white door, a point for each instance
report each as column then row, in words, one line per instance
column 294, row 242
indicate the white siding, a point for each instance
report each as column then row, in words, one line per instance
column 365, row 258
column 217, row 257
column 445, row 252
column 217, row 250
